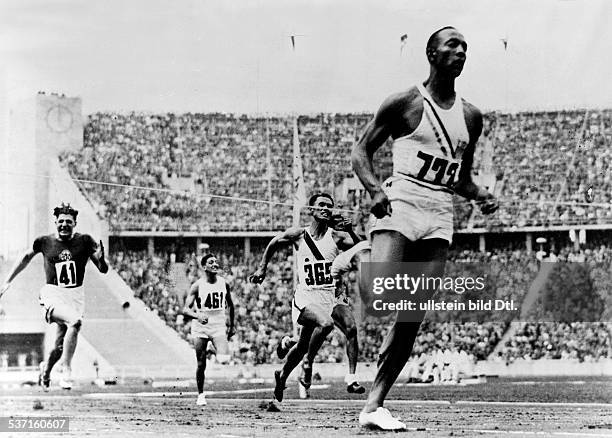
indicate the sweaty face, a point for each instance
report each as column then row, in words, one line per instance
column 450, row 52
column 323, row 213
column 65, row 225
column 211, row 265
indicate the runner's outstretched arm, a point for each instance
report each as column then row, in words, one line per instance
column 19, row 266
column 230, row 305
column 285, row 238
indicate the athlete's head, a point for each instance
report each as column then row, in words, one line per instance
column 65, row 220
column 446, row 50
column 324, row 203
column 210, row 264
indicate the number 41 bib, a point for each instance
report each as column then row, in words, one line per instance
column 66, row 273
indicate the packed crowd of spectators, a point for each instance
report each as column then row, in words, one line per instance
column 507, row 275
column 219, row 154
column 531, row 149
column 547, row 161
column 544, row 163
column 148, row 276
column 582, row 341
column 581, row 330
column 476, row 339
column 592, row 162
column 263, row 312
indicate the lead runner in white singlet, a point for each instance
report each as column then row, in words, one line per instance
column 425, row 169
column 434, row 134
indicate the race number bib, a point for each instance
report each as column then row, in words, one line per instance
column 214, row 301
column 318, row 273
column 66, row 273
column 440, row 171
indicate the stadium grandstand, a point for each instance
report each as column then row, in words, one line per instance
column 193, row 156
column 163, row 188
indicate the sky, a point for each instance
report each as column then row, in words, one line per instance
column 236, row 56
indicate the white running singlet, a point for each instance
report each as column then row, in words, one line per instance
column 430, row 157
column 211, row 301
column 426, row 165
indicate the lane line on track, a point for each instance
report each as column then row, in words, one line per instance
column 185, row 394
column 539, row 404
column 513, row 432
column 553, row 382
column 581, row 434
column 537, row 433
column 179, row 394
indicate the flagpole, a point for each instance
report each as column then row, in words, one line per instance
column 296, row 176
column 269, row 166
column 299, row 196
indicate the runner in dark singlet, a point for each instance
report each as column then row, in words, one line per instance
column 65, row 256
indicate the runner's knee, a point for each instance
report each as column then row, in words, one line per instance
column 326, row 324
column 67, row 317
column 75, row 322
column 301, row 348
column 59, row 344
column 201, row 358
column 351, row 331
column 221, row 346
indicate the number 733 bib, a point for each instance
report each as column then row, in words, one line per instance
column 433, row 169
